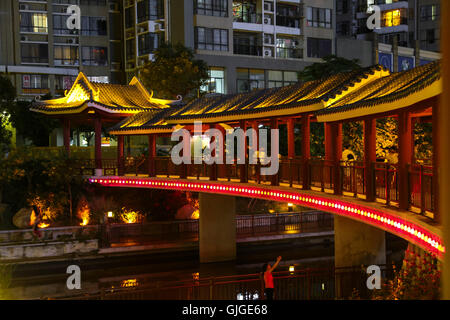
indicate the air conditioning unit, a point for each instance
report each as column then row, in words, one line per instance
column 267, row 20
column 141, row 30
column 23, row 38
column 159, row 27
column 268, row 39
column 72, row 40
column 24, row 6
column 151, row 57
column 267, row 53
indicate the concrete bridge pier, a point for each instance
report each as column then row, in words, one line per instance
column 217, row 233
column 355, row 244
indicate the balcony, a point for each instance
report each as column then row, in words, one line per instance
column 245, row 49
column 289, row 53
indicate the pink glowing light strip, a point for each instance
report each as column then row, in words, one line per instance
column 407, row 230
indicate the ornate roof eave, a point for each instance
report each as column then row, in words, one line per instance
column 142, row 131
column 125, row 111
column 276, row 111
column 382, row 105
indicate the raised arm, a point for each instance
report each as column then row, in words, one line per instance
column 275, row 264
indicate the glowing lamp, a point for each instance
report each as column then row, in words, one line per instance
column 291, row 268
column 110, row 214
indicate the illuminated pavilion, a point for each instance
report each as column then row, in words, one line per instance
column 362, row 95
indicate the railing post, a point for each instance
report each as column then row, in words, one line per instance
column 322, row 184
column 290, row 172
column 388, row 185
column 422, row 191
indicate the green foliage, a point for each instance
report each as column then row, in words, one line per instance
column 332, row 65
column 353, row 138
column 174, row 72
column 419, row 279
column 52, row 183
column 31, row 125
column 6, row 271
column 7, row 97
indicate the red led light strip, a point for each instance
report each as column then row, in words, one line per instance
column 405, row 229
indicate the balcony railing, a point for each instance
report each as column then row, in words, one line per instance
column 289, row 53
column 248, row 17
column 251, row 50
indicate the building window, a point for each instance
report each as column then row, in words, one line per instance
column 245, row 11
column 130, row 49
column 318, row 17
column 211, row 39
column 277, row 78
column 34, row 53
column 249, row 79
column 64, row 82
column 216, row 8
column 34, row 81
column 129, row 17
column 33, row 22
column 430, row 36
column 60, row 25
column 318, row 48
column 288, row 16
column 216, row 81
column 93, row 2
column 394, row 18
column 150, row 10
column 247, row 43
column 94, row 56
column 148, row 43
column 66, row 55
column 429, row 12
column 93, row 26
column 341, row 6
column 289, row 48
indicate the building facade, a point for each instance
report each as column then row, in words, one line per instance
column 43, row 56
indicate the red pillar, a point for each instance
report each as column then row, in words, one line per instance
column 333, row 153
column 370, row 157
column 274, row 125
column 66, row 135
column 291, row 137
column 256, row 137
column 305, row 150
column 243, row 171
column 404, row 157
column 98, row 146
column 120, row 155
column 435, row 140
column 221, row 168
column 151, row 155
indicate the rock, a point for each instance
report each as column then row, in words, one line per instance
column 185, row 212
column 22, row 218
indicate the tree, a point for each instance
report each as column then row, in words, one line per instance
column 7, row 97
column 332, row 65
column 174, row 72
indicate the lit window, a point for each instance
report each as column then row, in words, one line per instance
column 216, row 82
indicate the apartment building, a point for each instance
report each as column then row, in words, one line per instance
column 247, row 44
column 42, row 55
column 409, row 23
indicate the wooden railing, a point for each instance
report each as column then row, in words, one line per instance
column 318, row 173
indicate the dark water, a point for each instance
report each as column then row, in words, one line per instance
column 48, row 280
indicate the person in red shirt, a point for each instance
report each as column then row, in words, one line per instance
column 268, row 278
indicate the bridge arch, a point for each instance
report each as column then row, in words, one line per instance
column 402, row 224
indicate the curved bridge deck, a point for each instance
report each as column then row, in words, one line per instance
column 412, row 227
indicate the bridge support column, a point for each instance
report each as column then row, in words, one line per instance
column 151, row 155
column 370, row 156
column 98, row 146
column 333, row 152
column 404, row 158
column 243, row 169
column 274, row 178
column 120, row 156
column 356, row 243
column 217, row 228
column 305, row 150
column 291, row 137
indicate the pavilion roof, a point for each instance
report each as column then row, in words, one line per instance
column 396, row 91
column 110, row 98
column 293, row 99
